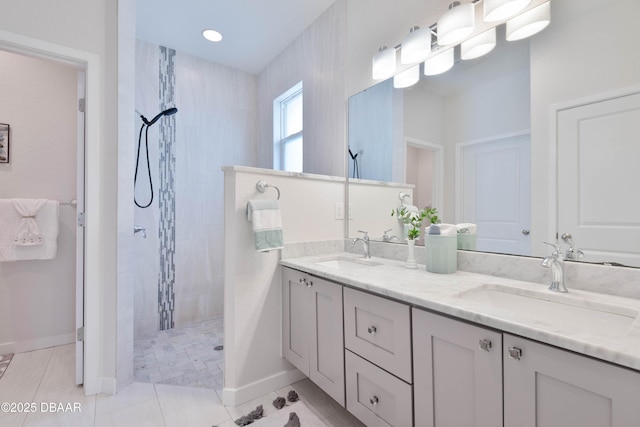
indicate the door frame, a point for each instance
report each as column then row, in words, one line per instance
column 554, row 111
column 438, row 167
column 90, row 63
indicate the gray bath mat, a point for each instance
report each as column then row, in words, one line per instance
column 4, row 362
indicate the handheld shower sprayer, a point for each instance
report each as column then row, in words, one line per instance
column 148, row 123
column 168, row 112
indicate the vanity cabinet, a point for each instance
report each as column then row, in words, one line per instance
column 378, row 359
column 312, row 330
column 457, row 373
column 546, row 387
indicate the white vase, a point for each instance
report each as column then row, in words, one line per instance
column 411, row 259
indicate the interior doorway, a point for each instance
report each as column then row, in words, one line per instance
column 424, row 169
column 43, row 101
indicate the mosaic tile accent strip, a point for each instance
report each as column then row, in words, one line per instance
column 4, row 362
column 166, row 192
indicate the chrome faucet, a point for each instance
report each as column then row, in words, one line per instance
column 365, row 241
column 555, row 261
column 572, row 253
column 387, row 238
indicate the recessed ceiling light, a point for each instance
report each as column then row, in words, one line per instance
column 212, row 35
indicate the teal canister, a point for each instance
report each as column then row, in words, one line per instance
column 442, row 253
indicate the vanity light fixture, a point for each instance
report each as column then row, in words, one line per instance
column 456, row 24
column 407, row 78
column 212, row 35
column 479, row 45
column 416, row 46
column 384, row 63
column 439, row 63
column 498, row 10
column 529, row 23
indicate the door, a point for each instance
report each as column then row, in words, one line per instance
column 494, row 181
column 295, row 312
column 547, row 387
column 457, row 373
column 326, row 352
column 80, row 232
column 595, row 140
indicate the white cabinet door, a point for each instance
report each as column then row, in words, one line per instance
column 457, row 373
column 312, row 330
column 326, row 350
column 598, row 175
column 548, row 387
column 295, row 317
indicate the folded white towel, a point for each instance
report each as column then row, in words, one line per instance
column 467, row 228
column 267, row 224
column 28, row 233
column 46, row 220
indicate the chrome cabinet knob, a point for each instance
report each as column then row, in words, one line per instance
column 525, row 232
column 374, row 400
column 372, row 330
column 515, row 353
column 309, row 283
column 485, row 345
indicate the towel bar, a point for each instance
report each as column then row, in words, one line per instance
column 261, row 186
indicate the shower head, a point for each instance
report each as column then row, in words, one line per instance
column 169, row 112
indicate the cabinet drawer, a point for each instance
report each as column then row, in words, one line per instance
column 376, row 397
column 379, row 330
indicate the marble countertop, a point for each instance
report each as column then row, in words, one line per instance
column 563, row 323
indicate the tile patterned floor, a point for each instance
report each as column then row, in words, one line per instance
column 4, row 362
column 48, row 375
column 182, row 356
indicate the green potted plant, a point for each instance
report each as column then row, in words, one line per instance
column 413, row 221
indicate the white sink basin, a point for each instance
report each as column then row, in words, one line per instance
column 565, row 311
column 346, row 263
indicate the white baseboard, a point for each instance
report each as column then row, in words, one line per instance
column 244, row 394
column 37, row 344
column 109, row 385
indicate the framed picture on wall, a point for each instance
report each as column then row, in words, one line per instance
column 4, row 143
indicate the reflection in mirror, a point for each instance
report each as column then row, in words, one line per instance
column 572, row 105
column 460, row 140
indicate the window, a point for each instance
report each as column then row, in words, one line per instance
column 287, row 130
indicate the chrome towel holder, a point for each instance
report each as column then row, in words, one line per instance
column 262, row 185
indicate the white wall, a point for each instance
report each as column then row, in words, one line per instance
column 371, row 203
column 570, row 61
column 252, row 283
column 317, row 58
column 39, row 101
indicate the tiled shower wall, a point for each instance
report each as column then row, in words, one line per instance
column 179, row 277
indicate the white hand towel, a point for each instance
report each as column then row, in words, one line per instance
column 445, row 229
column 28, row 233
column 267, row 224
column 47, row 221
column 467, row 228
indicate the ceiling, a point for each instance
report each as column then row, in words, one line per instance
column 254, row 31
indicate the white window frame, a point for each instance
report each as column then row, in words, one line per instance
column 279, row 126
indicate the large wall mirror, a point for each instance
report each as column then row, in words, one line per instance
column 536, row 138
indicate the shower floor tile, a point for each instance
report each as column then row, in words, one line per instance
column 182, row 356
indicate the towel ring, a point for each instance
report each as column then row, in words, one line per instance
column 403, row 196
column 261, row 186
